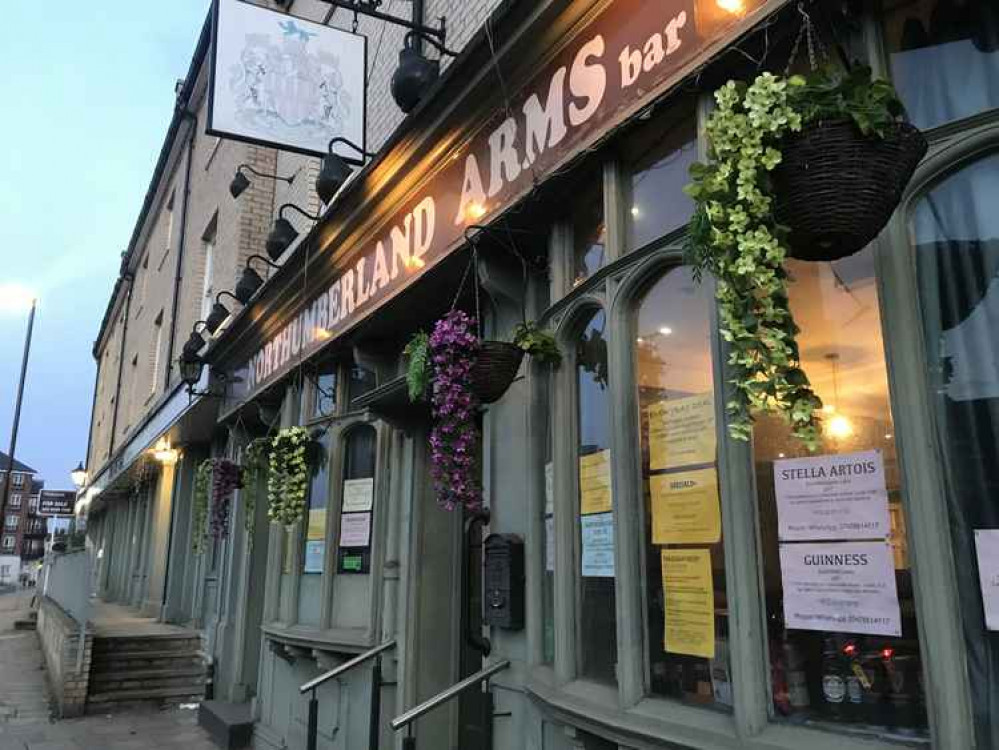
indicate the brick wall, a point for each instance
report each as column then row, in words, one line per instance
column 235, row 229
column 59, row 635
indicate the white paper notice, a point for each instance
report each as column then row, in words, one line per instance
column 832, row 497
column 314, row 553
column 358, row 495
column 598, row 545
column 549, row 543
column 355, row 529
column 549, row 489
column 846, row 587
column 987, row 548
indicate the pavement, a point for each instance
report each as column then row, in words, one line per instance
column 25, row 716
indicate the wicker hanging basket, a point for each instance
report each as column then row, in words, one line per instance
column 837, row 188
column 495, row 369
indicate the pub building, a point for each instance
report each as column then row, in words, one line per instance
column 640, row 579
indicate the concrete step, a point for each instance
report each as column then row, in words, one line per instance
column 132, row 654
column 229, row 724
column 183, row 684
column 190, row 671
column 147, row 643
column 135, row 695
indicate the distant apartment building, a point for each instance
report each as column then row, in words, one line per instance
column 24, row 530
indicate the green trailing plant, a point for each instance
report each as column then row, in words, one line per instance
column 293, row 455
column 255, row 468
column 418, row 366
column 735, row 236
column 202, row 487
column 537, row 342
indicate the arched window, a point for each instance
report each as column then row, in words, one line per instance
column 955, row 237
column 687, row 610
column 597, row 619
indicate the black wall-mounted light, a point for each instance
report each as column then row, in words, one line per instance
column 283, row 233
column 195, row 342
column 219, row 312
column 240, row 182
column 416, row 73
column 190, row 369
column 250, row 281
column 335, row 170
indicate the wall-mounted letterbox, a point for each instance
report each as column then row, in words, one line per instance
column 504, row 581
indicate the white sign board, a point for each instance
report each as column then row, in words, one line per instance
column 987, row 549
column 355, row 529
column 845, row 587
column 598, row 545
column 285, row 82
column 358, row 495
column 832, row 497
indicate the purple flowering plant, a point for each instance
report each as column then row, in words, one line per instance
column 454, row 348
column 226, row 477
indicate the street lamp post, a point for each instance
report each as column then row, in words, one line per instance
column 17, row 411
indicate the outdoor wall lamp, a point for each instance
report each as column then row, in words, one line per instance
column 283, row 233
column 240, row 182
column 335, row 170
column 163, row 453
column 190, row 369
column 195, row 342
column 219, row 312
column 78, row 475
column 416, row 73
column 250, row 281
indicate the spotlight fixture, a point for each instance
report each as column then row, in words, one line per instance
column 219, row 312
column 240, row 182
column 416, row 73
column 283, row 233
column 335, row 170
column 250, row 281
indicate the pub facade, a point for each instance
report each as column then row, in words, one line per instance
column 634, row 576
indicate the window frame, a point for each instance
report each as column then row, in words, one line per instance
column 281, row 608
column 614, row 287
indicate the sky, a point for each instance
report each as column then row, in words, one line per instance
column 86, row 95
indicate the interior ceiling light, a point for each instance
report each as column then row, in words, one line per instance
column 283, row 233
column 416, row 73
column 240, row 182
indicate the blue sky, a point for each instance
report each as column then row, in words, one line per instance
column 86, row 92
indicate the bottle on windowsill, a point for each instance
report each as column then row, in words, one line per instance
column 833, row 678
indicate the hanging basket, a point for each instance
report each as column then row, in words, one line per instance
column 837, row 188
column 495, row 369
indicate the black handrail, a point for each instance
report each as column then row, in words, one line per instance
column 313, row 685
column 483, row 675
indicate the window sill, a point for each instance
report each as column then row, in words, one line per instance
column 354, row 640
column 654, row 721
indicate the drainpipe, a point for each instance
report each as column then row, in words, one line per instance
column 178, row 275
column 129, row 278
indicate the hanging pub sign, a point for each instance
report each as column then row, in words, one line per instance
column 282, row 81
column 628, row 55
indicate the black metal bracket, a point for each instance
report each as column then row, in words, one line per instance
column 290, row 180
column 370, row 8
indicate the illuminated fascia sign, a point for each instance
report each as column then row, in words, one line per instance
column 627, row 55
column 285, row 82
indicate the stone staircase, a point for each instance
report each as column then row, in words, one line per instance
column 147, row 669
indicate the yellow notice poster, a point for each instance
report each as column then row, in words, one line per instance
column 682, row 432
column 594, row 483
column 690, row 602
column 317, row 525
column 685, row 507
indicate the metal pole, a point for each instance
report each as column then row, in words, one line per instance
column 313, row 736
column 17, row 412
column 374, row 728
